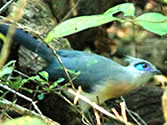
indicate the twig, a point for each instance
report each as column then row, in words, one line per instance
column 7, row 43
column 78, row 93
column 5, row 49
column 131, row 113
column 60, row 61
column 73, row 7
column 23, row 111
column 164, row 104
column 123, row 111
column 64, row 68
column 2, row 9
column 94, row 105
column 20, row 73
column 117, row 114
column 22, row 96
column 97, row 117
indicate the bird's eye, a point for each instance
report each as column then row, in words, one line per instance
column 143, row 66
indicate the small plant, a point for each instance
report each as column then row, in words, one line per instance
column 153, row 22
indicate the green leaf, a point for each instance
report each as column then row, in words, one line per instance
column 37, row 77
column 91, row 62
column 60, row 80
column 41, row 96
column 1, row 91
column 2, row 37
column 165, row 1
column 7, row 69
column 153, row 22
column 15, row 82
column 43, row 82
column 57, row 82
column 26, row 120
column 74, row 73
column 44, row 74
column 77, row 24
column 127, row 8
column 28, row 90
column 29, row 78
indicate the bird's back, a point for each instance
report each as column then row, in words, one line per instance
column 90, row 69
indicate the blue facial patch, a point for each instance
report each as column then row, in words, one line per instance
column 143, row 66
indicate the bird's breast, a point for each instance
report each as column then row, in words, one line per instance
column 106, row 91
column 112, row 90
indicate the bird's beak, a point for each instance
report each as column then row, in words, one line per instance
column 156, row 72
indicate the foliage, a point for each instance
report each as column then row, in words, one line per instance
column 153, row 22
column 18, row 82
column 7, row 69
column 164, row 1
column 27, row 120
column 2, row 37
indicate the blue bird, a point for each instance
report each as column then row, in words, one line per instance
column 98, row 76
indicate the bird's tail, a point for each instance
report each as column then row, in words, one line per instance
column 29, row 42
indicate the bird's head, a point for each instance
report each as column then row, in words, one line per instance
column 141, row 70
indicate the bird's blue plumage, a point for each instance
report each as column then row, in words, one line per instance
column 29, row 42
column 94, row 71
column 90, row 66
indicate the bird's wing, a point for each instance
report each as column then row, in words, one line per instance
column 90, row 69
